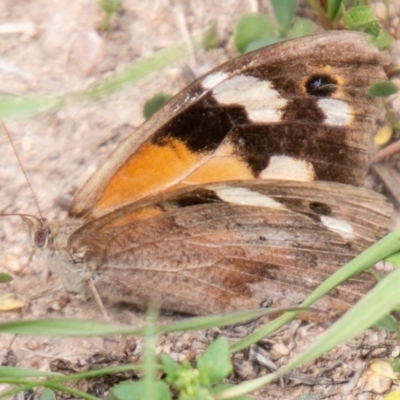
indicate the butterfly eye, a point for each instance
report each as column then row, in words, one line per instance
column 320, row 208
column 321, row 85
column 40, row 238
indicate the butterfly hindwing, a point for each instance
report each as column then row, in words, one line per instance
column 225, row 246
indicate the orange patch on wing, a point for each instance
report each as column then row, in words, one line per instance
column 217, row 169
column 151, row 169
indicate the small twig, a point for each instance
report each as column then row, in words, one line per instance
column 97, row 298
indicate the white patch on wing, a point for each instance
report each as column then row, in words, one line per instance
column 243, row 196
column 212, row 80
column 261, row 101
column 337, row 112
column 289, row 168
column 343, row 228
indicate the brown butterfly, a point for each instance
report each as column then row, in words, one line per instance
column 241, row 189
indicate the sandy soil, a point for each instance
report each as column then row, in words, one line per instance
column 54, row 48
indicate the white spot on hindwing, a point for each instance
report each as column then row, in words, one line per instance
column 243, row 196
column 337, row 112
column 288, row 168
column 343, row 228
column 212, row 80
column 261, row 101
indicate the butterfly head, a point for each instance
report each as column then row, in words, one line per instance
column 39, row 229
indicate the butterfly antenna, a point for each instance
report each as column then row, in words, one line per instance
column 22, row 168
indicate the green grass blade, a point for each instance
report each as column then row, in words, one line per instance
column 23, row 106
column 387, row 246
column 370, row 309
column 15, row 372
column 76, row 327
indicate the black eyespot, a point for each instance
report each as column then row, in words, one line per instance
column 40, row 237
column 320, row 208
column 321, row 85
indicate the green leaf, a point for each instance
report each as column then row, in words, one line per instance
column 258, row 44
column 155, row 103
column 210, row 36
column 284, row 12
column 363, row 18
column 359, row 16
column 47, row 394
column 251, row 27
column 382, row 89
column 389, row 324
column 170, row 367
column 137, row 390
column 110, row 6
column 301, row 27
column 215, row 363
column 394, row 259
column 5, row 278
column 395, row 363
column 383, row 40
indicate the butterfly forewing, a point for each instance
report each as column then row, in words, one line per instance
column 294, row 110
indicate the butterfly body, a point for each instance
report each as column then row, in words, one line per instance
column 240, row 190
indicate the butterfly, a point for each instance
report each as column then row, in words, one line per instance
column 243, row 188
